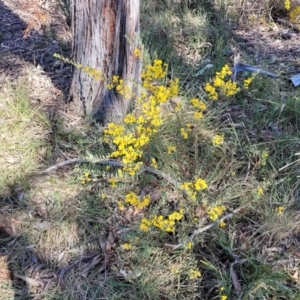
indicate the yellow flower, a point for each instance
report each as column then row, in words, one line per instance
column 218, row 139
column 195, row 274
column 120, row 205
column 154, row 163
column 195, row 102
column 145, row 224
column 130, row 118
column 260, row 191
column 120, row 173
column 126, row 246
column 176, row 216
column 171, row 149
column 177, row 107
column 174, row 270
column 287, row 4
column 112, row 182
column 189, row 245
column 137, row 52
column 247, row 82
column 294, row 14
column 279, row 210
column 264, row 156
column 184, row 133
column 186, row 186
column 223, row 297
column 222, row 224
column 198, row 115
column 200, row 184
column 215, row 212
column 212, row 93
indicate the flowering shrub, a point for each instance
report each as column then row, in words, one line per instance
column 166, row 224
column 133, row 200
column 191, row 188
column 220, row 86
column 215, row 212
column 294, row 13
column 129, row 141
column 199, row 107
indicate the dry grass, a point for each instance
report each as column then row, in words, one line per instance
column 65, row 240
column 24, row 133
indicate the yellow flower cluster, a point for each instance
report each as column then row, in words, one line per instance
column 174, row 270
column 154, row 163
column 86, row 178
column 188, row 245
column 137, row 52
column 215, row 212
column 226, row 88
column 171, row 149
column 126, row 246
column 118, row 84
column 264, row 157
column 294, row 14
column 130, row 140
column 184, row 131
column 260, row 191
column 93, row 72
column 112, row 182
column 194, row 274
column 134, row 200
column 218, row 139
column 200, row 106
column 279, row 210
column 165, row 224
column 191, row 188
column 287, row 4
column 247, row 82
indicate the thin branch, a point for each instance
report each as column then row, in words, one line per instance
column 200, row 230
column 290, row 164
column 109, row 162
column 61, row 165
column 63, row 271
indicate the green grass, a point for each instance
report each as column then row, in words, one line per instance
column 57, row 219
column 23, row 131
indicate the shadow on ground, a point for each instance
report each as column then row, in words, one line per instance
column 19, row 51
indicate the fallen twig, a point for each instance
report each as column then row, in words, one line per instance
column 63, row 271
column 290, row 164
column 200, row 230
column 61, row 165
column 108, row 162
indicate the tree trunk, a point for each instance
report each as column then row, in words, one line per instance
column 105, row 35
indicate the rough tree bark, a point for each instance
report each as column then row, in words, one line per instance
column 105, row 34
